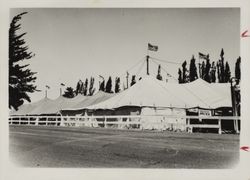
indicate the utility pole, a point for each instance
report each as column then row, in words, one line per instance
column 147, row 64
column 235, row 113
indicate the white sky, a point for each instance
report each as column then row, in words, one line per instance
column 72, row 44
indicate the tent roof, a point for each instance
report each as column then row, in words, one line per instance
column 27, row 108
column 100, row 96
column 154, row 93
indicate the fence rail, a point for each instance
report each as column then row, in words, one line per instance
column 127, row 121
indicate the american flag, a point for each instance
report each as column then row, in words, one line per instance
column 152, row 47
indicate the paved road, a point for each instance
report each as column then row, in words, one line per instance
column 32, row 146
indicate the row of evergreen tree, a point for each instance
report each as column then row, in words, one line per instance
column 86, row 88
column 208, row 70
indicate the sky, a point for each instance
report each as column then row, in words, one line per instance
column 77, row 43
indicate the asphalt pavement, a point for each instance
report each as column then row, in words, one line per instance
column 37, row 146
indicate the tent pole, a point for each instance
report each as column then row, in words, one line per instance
column 147, row 64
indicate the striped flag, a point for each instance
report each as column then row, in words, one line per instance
column 203, row 56
column 152, row 47
column 47, row 87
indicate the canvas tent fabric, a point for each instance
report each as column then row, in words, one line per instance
column 150, row 92
column 26, row 109
column 100, row 96
column 55, row 106
column 214, row 94
column 47, row 106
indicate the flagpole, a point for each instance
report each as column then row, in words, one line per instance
column 147, row 60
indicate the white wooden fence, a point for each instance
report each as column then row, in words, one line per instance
column 131, row 121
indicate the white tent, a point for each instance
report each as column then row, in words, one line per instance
column 150, row 92
column 28, row 108
column 54, row 106
column 100, row 96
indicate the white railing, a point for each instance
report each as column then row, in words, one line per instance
column 125, row 121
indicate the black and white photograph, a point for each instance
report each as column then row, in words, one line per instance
column 128, row 88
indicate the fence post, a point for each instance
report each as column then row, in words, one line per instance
column 19, row 120
column 188, row 126
column 11, row 122
column 237, row 127
column 37, row 121
column 28, row 120
column 46, row 121
column 219, row 123
column 105, row 120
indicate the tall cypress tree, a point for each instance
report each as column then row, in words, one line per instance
column 180, row 76
column 21, row 79
column 184, row 72
column 117, row 85
column 227, row 73
column 207, row 70
column 85, row 89
column 219, row 71
column 102, row 86
column 192, row 70
column 91, row 86
column 213, row 72
column 237, row 68
column 222, row 66
column 109, row 85
column 203, row 67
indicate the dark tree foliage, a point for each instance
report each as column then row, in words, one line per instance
column 69, row 92
column 219, row 71
column 109, row 85
column 207, row 71
column 21, row 79
column 227, row 73
column 192, row 70
column 91, row 86
column 222, row 67
column 85, row 87
column 102, row 86
column 237, row 69
column 117, row 85
column 203, row 67
column 213, row 73
column 79, row 87
column 184, row 72
column 159, row 77
column 133, row 81
column 180, row 76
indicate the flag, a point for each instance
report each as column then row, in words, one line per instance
column 152, row 47
column 203, row 56
column 47, row 87
column 62, row 84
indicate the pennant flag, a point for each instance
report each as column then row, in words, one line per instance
column 62, row 84
column 203, row 56
column 47, row 87
column 152, row 47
